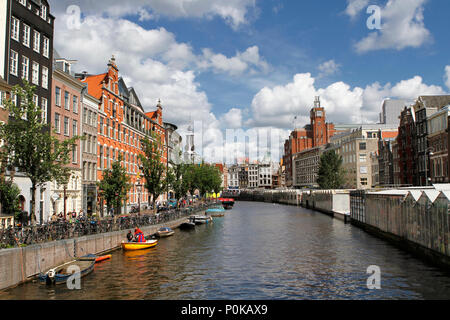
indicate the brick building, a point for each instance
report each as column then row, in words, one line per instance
column 438, row 144
column 315, row 134
column 406, row 148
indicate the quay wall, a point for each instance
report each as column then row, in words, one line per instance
column 415, row 220
column 18, row 265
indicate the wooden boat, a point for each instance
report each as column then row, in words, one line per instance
column 139, row 245
column 165, row 232
column 96, row 258
column 227, row 203
column 216, row 212
column 60, row 274
column 201, row 219
column 188, row 225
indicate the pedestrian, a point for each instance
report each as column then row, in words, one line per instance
column 130, row 236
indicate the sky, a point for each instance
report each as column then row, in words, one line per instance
column 242, row 70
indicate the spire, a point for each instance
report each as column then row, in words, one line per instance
column 159, row 104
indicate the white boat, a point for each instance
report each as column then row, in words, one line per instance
column 197, row 219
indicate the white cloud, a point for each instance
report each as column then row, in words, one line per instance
column 247, row 61
column 447, row 76
column 234, row 12
column 402, row 23
column 354, row 7
column 328, row 68
column 279, row 105
column 232, row 119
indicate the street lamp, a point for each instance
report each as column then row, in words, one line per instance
column 428, row 152
column 139, row 187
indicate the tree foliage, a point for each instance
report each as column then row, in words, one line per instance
column 331, row 173
column 9, row 197
column 30, row 145
column 114, row 185
column 153, row 168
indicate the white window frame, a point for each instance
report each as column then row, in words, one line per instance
column 36, row 41
column 26, row 35
column 25, row 73
column 75, row 104
column 46, row 47
column 44, row 79
column 14, row 63
column 35, row 73
column 58, row 128
column 74, row 127
column 66, row 128
column 44, row 12
column 58, row 101
column 44, row 107
column 23, row 2
column 67, row 101
column 2, row 98
column 15, row 28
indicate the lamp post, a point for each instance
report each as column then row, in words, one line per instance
column 139, row 187
column 428, row 152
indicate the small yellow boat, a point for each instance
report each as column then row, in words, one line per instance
column 139, row 245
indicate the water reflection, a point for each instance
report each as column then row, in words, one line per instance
column 257, row 251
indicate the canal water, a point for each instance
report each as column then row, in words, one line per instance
column 257, row 251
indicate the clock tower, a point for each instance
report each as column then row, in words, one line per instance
column 318, row 124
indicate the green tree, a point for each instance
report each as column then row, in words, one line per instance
column 30, row 145
column 331, row 173
column 9, row 198
column 153, row 168
column 114, row 186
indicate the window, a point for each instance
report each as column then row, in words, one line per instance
column 35, row 100
column 66, row 126
column 37, row 42
column 45, row 49
column 44, row 12
column 35, row 74
column 363, row 170
column 362, row 146
column 25, row 67
column 23, row 2
column 362, row 157
column 2, row 98
column 45, row 77
column 74, row 127
column 26, row 35
column 74, row 154
column 75, row 104
column 66, row 100
column 363, row 181
column 44, row 106
column 101, row 125
column 14, row 63
column 101, row 158
column 15, row 28
column 57, row 123
column 58, row 96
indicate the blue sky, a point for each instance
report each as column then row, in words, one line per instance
column 257, row 64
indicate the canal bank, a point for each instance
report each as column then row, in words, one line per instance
column 257, row 251
column 20, row 265
column 413, row 219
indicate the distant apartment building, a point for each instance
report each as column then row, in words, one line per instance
column 438, row 145
column 390, row 111
column 424, row 107
column 233, row 177
column 374, row 164
column 406, row 149
column 355, row 147
column 243, row 176
column 386, row 160
column 265, row 175
column 253, row 178
column 306, row 167
column 65, row 118
column 89, row 149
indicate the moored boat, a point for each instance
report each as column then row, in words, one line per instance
column 164, row 232
column 129, row 246
column 227, row 203
column 61, row 273
column 216, row 212
column 188, row 225
column 197, row 219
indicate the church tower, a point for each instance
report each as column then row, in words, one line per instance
column 318, row 124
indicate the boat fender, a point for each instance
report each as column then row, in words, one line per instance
column 51, row 273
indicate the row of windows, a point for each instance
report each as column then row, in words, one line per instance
column 16, row 34
column 24, row 72
column 66, row 125
column 67, row 101
column 124, row 136
column 90, row 144
column 42, row 11
column 43, row 105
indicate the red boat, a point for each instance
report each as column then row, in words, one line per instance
column 227, row 203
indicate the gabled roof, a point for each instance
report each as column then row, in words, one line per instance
column 95, row 84
column 134, row 99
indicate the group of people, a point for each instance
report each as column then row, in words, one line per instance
column 70, row 216
column 137, row 237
